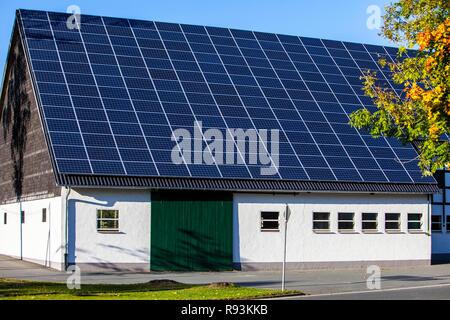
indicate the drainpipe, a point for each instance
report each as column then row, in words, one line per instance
column 429, row 197
column 66, row 232
column 21, row 229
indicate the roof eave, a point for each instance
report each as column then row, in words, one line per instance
column 241, row 185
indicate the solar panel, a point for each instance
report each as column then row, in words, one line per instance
column 113, row 91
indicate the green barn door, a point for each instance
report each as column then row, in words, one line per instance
column 191, row 231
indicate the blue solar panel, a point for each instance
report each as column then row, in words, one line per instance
column 113, row 92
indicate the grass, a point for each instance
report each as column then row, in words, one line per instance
column 156, row 290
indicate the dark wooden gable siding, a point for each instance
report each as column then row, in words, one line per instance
column 25, row 167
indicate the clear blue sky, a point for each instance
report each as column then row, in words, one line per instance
column 328, row 19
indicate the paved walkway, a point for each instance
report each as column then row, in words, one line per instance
column 311, row 282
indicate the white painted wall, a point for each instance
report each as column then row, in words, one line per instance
column 131, row 246
column 253, row 246
column 41, row 241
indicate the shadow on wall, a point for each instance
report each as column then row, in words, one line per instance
column 190, row 251
column 98, row 263
column 140, row 253
column 16, row 116
column 92, row 201
column 72, row 218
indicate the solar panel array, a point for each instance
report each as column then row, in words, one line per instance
column 113, row 91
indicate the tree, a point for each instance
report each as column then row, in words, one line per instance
column 421, row 114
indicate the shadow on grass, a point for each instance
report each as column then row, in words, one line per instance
column 154, row 290
column 17, row 288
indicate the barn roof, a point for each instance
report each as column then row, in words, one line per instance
column 113, row 92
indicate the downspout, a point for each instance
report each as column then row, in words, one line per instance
column 21, row 228
column 429, row 214
column 66, row 232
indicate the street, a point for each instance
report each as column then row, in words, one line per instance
column 425, row 282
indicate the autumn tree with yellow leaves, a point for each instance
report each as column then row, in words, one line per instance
column 421, row 115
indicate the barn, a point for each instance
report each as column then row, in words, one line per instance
column 139, row 145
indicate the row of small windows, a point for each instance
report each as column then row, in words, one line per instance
column 22, row 216
column 437, row 223
column 369, row 221
column 270, row 221
column 107, row 220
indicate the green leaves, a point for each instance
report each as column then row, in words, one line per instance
column 421, row 114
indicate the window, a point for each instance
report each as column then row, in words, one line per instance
column 108, row 220
column 44, row 215
column 447, row 224
column 369, row 221
column 321, row 221
column 345, row 221
column 414, row 222
column 270, row 221
column 5, row 218
column 436, row 223
column 392, row 222
column 22, row 217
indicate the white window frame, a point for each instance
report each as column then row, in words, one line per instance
column 352, row 221
column 100, row 218
column 322, row 220
column 398, row 221
column 262, row 219
column 369, row 221
column 415, row 221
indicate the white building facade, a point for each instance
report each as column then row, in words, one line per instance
column 67, row 198
column 324, row 230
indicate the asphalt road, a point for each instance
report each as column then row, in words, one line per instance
column 437, row 292
column 425, row 282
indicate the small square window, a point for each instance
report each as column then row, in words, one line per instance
column 392, row 222
column 447, row 224
column 346, row 221
column 108, row 220
column 270, row 221
column 370, row 221
column 44, row 215
column 321, row 221
column 414, row 222
column 436, row 223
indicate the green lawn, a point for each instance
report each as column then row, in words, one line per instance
column 156, row 290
